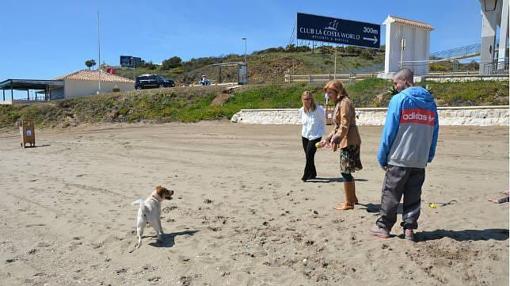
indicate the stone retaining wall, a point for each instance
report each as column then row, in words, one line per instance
column 474, row 116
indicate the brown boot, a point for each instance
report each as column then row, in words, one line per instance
column 350, row 197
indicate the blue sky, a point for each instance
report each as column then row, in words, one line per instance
column 46, row 39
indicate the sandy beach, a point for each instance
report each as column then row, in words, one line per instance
column 240, row 214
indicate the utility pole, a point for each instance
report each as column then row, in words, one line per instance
column 242, row 72
column 99, row 55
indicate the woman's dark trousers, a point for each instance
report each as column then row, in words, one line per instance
column 309, row 147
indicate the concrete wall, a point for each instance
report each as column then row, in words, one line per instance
column 76, row 88
column 475, row 116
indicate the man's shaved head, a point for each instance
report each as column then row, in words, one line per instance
column 403, row 79
column 405, row 75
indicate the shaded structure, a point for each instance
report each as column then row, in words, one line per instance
column 241, row 69
column 43, row 87
column 76, row 84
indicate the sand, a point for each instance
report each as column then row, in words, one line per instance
column 241, row 215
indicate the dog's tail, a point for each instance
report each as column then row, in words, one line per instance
column 140, row 202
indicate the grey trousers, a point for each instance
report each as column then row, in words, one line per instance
column 400, row 181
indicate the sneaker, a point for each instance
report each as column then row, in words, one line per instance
column 380, row 232
column 409, row 234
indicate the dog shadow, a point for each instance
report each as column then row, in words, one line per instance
column 464, row 235
column 168, row 239
column 375, row 208
column 332, row 180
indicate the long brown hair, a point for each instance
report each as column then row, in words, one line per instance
column 313, row 106
column 338, row 87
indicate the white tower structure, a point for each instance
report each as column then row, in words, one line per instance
column 494, row 14
column 407, row 46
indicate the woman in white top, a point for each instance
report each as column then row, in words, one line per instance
column 313, row 120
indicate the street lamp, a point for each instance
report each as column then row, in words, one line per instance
column 489, row 5
column 244, row 39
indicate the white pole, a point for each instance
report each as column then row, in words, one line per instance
column 99, row 54
column 402, row 48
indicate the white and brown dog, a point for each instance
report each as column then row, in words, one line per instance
column 150, row 212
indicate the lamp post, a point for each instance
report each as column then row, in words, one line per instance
column 489, row 5
column 244, row 39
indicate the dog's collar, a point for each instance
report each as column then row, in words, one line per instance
column 157, row 197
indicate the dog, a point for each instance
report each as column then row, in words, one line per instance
column 150, row 212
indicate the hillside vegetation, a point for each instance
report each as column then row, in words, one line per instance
column 190, row 104
column 266, row 66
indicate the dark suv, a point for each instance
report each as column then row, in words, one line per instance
column 152, row 81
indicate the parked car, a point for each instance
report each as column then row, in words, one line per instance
column 152, row 81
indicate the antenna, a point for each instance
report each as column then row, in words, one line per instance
column 291, row 40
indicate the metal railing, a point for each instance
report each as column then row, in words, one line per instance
column 495, row 67
column 458, row 53
column 311, row 78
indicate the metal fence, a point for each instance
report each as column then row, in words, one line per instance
column 495, row 67
column 458, row 53
column 311, row 78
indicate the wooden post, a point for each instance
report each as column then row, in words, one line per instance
column 28, row 95
column 334, row 74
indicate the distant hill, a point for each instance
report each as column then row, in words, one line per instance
column 269, row 65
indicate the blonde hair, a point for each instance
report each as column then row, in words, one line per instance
column 313, row 106
column 337, row 86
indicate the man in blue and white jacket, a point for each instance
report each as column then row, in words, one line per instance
column 408, row 143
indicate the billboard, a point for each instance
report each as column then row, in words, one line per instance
column 338, row 31
column 130, row 61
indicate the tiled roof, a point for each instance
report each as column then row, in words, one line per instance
column 422, row 25
column 94, row 75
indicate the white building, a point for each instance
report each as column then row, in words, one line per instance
column 87, row 82
column 407, row 46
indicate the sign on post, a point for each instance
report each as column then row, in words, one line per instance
column 338, row 31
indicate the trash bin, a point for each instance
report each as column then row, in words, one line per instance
column 27, row 131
